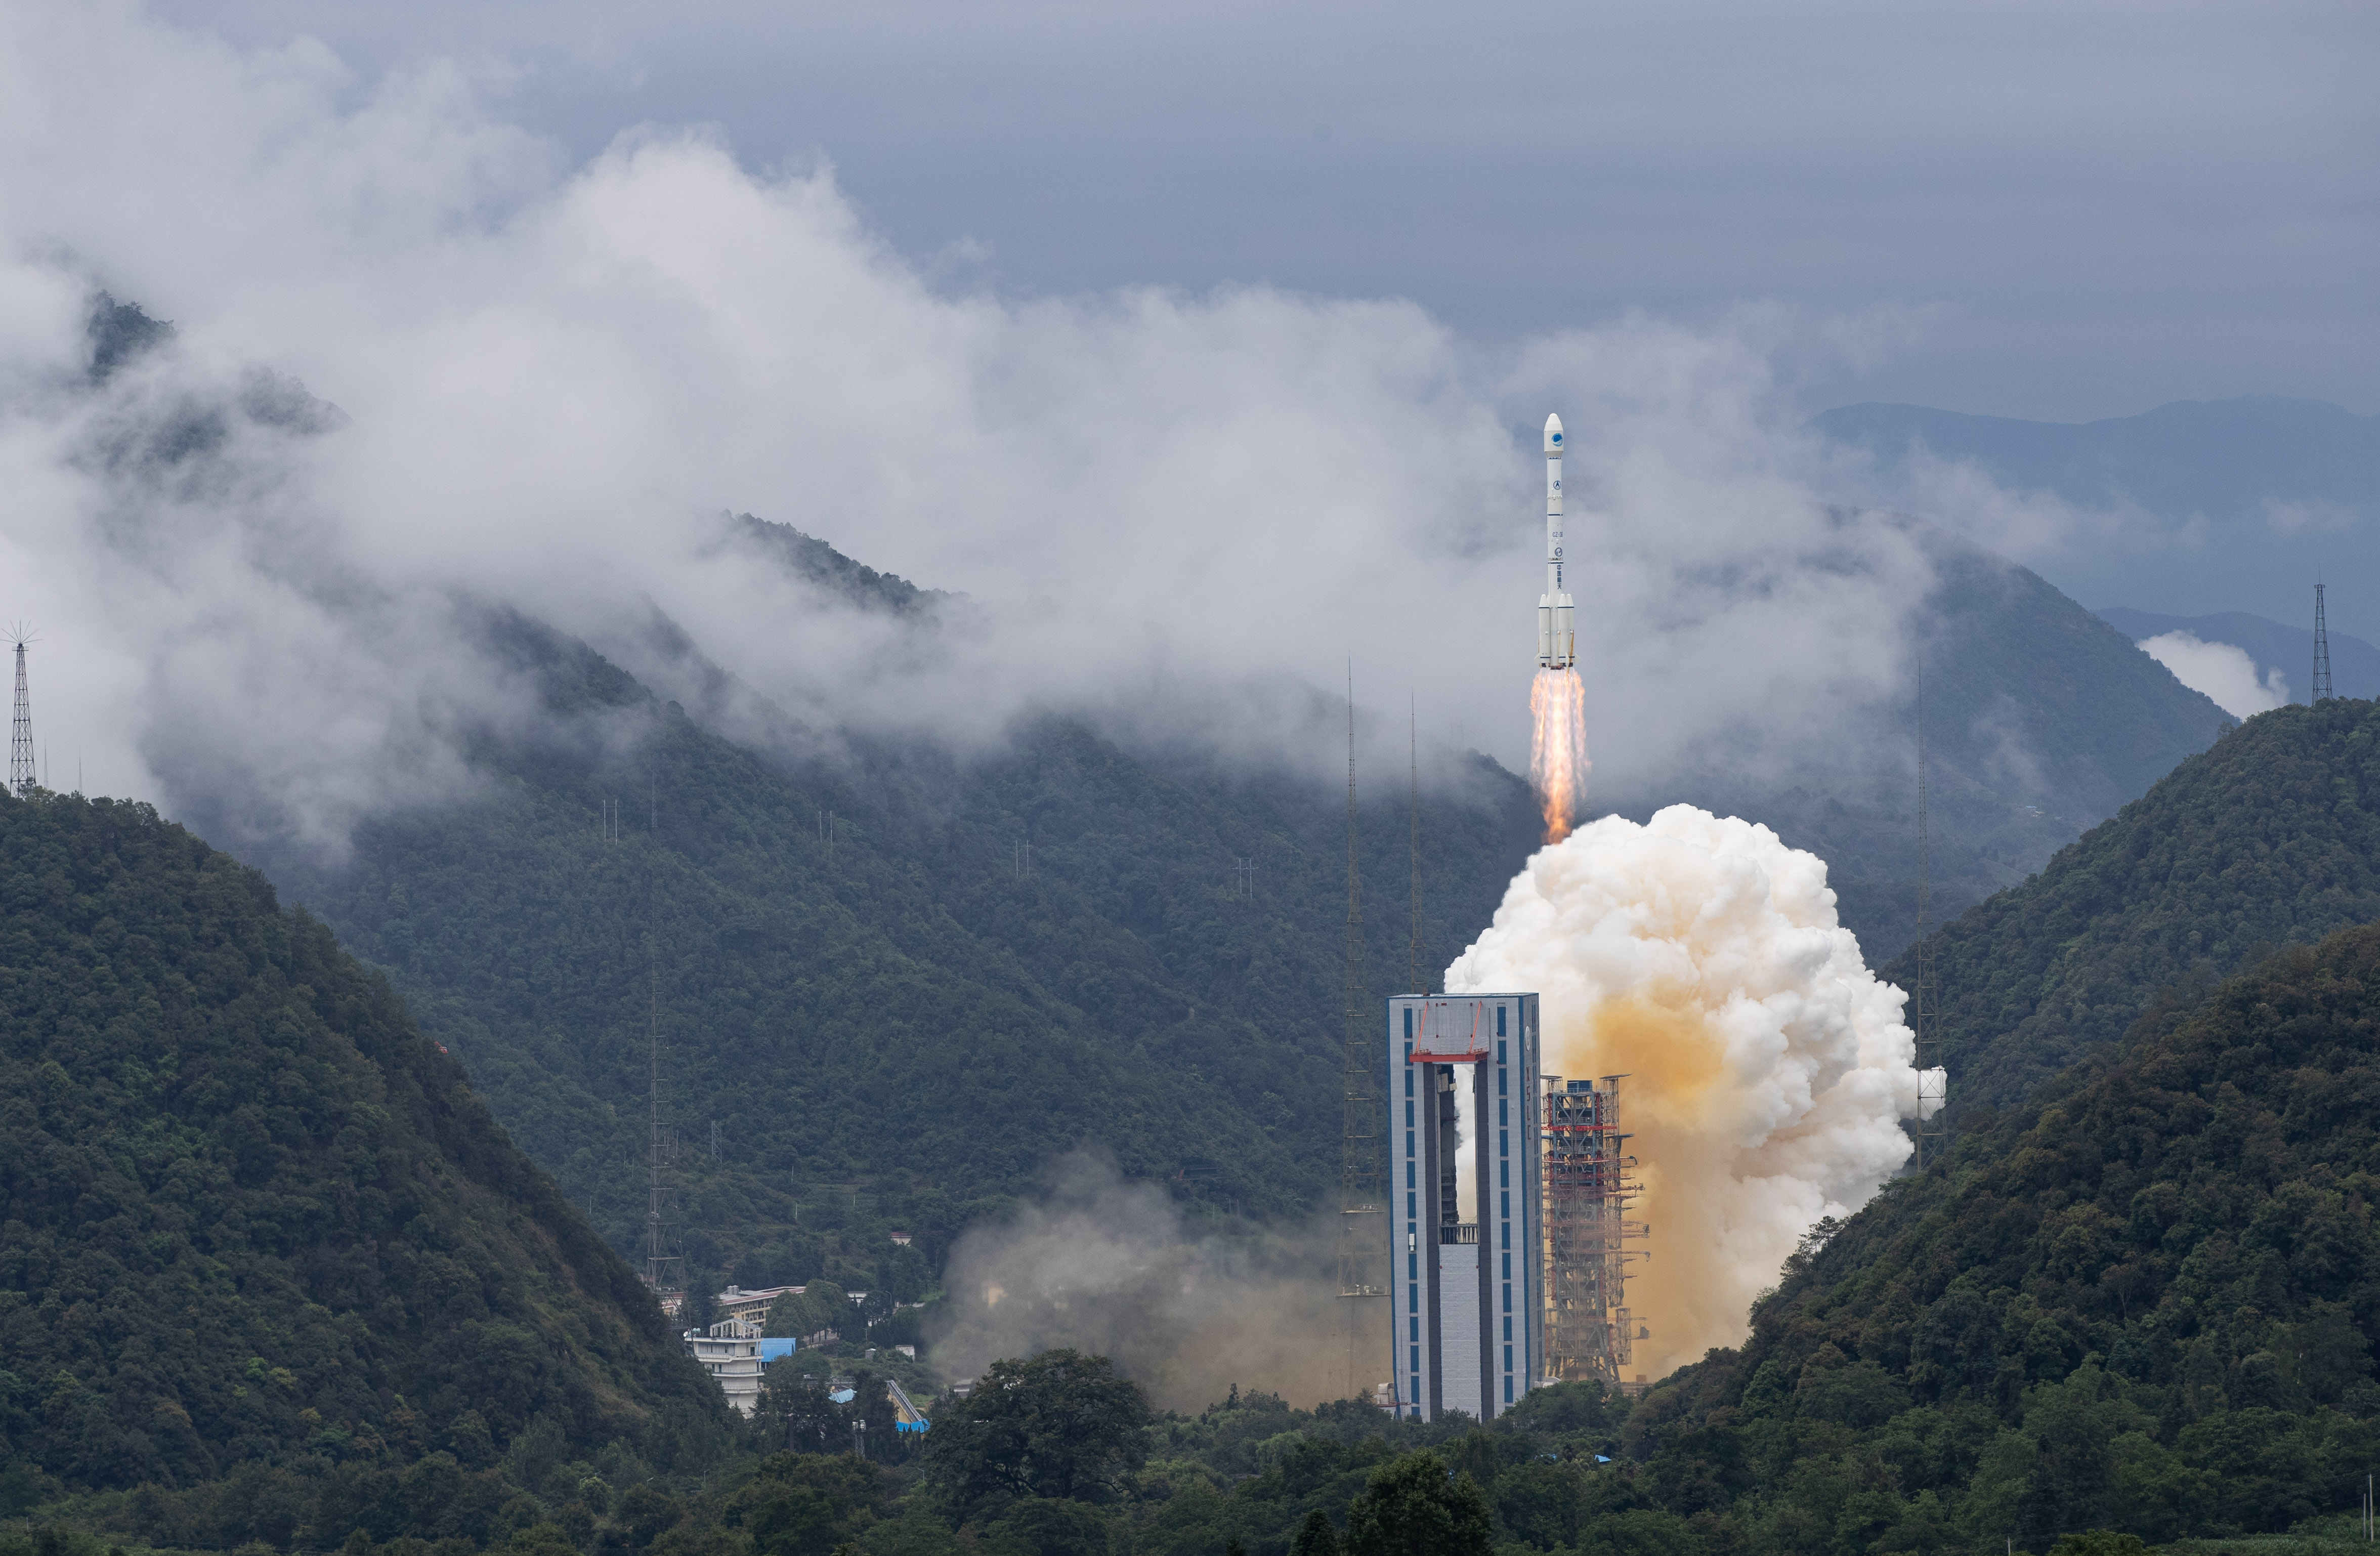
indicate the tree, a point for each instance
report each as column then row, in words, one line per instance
column 794, row 1413
column 701, row 1308
column 2100, row 1542
column 1059, row 1424
column 807, row 1506
column 1048, row 1527
column 871, row 1405
column 1416, row 1506
column 821, row 1304
column 1315, row 1536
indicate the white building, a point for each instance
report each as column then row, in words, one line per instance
column 734, row 1352
column 752, row 1307
column 1463, row 1164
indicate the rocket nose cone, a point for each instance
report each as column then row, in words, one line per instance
column 1553, row 434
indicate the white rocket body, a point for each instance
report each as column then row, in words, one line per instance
column 1557, row 634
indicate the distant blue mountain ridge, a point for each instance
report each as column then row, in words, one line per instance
column 2236, row 504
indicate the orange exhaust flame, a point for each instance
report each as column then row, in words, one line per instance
column 1558, row 763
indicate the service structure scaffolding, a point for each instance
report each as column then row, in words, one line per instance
column 1588, row 1181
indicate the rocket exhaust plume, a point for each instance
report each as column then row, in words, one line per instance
column 1769, row 1068
column 1558, row 763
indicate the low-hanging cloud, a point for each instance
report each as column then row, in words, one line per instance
column 1172, row 513
column 2223, row 671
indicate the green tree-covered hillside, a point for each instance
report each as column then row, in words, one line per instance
column 2270, row 837
column 2141, row 1303
column 248, row 1214
column 895, row 983
column 892, row 1016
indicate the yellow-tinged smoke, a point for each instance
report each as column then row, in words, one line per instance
column 1558, row 763
column 1768, row 1067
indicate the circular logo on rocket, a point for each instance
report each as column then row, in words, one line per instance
column 1553, row 437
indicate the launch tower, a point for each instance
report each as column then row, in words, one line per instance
column 1589, row 1178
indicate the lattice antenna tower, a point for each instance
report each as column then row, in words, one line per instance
column 659, row 1261
column 1932, row 1133
column 1417, row 950
column 21, row 776
column 1361, row 1194
column 2321, row 654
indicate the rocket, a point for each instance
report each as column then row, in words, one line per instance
column 1557, row 639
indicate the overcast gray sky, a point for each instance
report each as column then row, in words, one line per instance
column 2057, row 211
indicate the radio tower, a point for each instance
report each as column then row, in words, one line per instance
column 1935, row 1129
column 1360, row 1192
column 2321, row 657
column 1417, row 952
column 21, row 734
column 658, row 1260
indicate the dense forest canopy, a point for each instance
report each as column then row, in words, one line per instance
column 2141, row 1301
column 861, row 961
column 891, row 1022
column 248, row 1214
column 2271, row 837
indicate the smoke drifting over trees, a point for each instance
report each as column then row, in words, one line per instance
column 1112, row 1268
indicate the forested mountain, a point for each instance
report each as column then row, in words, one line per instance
column 893, row 984
column 891, row 1022
column 2142, row 1302
column 2269, row 838
column 248, row 1216
column 2040, row 721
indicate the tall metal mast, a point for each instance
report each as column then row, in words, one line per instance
column 1417, row 951
column 1361, row 1197
column 2321, row 656
column 658, row 1259
column 1932, row 1133
column 21, row 737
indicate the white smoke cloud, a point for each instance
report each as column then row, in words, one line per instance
column 1768, row 1068
column 1178, row 514
column 2223, row 671
column 1112, row 1268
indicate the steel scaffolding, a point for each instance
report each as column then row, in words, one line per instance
column 1589, row 1181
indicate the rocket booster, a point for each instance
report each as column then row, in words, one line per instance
column 1556, row 638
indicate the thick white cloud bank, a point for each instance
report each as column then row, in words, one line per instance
column 1182, row 515
column 2223, row 671
column 1768, row 1069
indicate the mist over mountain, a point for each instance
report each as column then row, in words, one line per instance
column 2273, row 647
column 2039, row 722
column 2192, row 508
